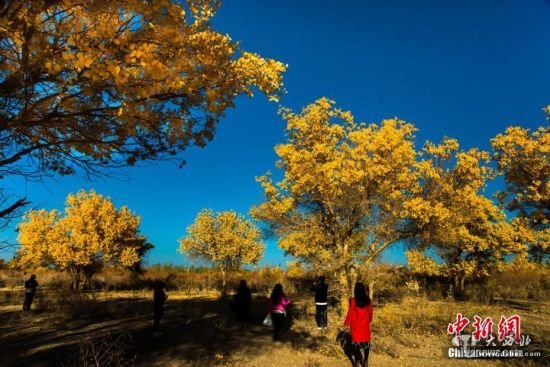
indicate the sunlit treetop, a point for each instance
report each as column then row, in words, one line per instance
column 454, row 217
column 227, row 239
column 341, row 200
column 90, row 231
column 524, row 159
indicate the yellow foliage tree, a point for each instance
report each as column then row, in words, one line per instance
column 226, row 239
column 91, row 233
column 346, row 184
column 91, row 84
column 296, row 270
column 422, row 264
column 523, row 157
column 468, row 231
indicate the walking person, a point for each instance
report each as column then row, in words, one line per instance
column 30, row 289
column 159, row 297
column 321, row 290
column 243, row 299
column 277, row 306
column 358, row 320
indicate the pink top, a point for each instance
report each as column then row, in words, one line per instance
column 280, row 305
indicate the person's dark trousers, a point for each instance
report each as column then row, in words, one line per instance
column 361, row 354
column 278, row 320
column 321, row 315
column 244, row 315
column 28, row 301
column 156, row 320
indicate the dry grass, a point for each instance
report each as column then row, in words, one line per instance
column 107, row 350
column 407, row 330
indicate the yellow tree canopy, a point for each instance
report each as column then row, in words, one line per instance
column 523, row 157
column 227, row 239
column 467, row 229
column 344, row 190
column 90, row 84
column 91, row 230
column 421, row 264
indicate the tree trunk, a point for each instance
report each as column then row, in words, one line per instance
column 371, row 288
column 87, row 281
column 75, row 278
column 224, row 278
column 344, row 291
column 346, row 279
column 461, row 283
column 458, row 280
column 370, row 282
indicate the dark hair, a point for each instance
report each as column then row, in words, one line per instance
column 321, row 279
column 242, row 283
column 160, row 284
column 277, row 293
column 361, row 295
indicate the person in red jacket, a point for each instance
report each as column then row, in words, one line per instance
column 358, row 321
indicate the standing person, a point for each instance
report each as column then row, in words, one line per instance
column 277, row 306
column 321, row 290
column 30, row 290
column 243, row 299
column 358, row 320
column 159, row 297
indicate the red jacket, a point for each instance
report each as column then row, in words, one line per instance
column 358, row 320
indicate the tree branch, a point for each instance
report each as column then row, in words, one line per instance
column 18, row 204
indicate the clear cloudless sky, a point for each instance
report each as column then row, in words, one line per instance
column 465, row 69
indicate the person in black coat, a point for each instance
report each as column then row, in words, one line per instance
column 30, row 289
column 243, row 299
column 159, row 297
column 321, row 301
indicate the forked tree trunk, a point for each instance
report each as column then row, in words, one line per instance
column 346, row 279
column 344, row 291
column 459, row 282
column 75, row 278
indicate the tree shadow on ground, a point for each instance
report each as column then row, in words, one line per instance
column 195, row 332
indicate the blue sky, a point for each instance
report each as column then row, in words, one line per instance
column 465, row 69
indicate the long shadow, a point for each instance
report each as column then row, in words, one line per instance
column 194, row 331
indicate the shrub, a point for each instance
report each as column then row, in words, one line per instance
column 109, row 350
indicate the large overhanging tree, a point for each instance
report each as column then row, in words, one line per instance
column 345, row 188
column 86, row 85
column 91, row 234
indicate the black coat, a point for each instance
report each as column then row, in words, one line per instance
column 321, row 291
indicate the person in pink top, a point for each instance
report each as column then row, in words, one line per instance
column 277, row 306
column 358, row 320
